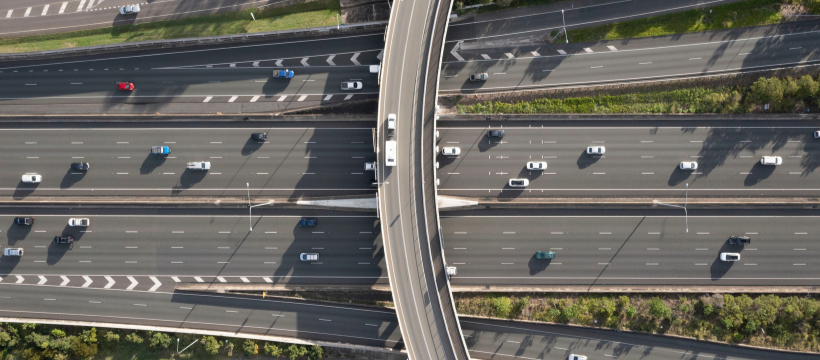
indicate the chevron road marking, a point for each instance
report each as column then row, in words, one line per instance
column 302, row 98
column 232, row 65
column 304, row 62
column 535, row 53
column 111, row 282
column 28, row 11
column 353, row 59
column 253, row 99
column 133, row 283
column 221, row 279
column 20, row 279
column 381, row 55
column 454, row 53
column 255, row 64
column 176, row 279
column 8, row 15
column 80, row 8
column 157, row 284
column 349, row 96
column 562, row 52
column 208, row 99
column 62, row 8
column 244, row 279
column 509, row 55
column 282, row 98
column 278, row 62
column 267, row 280
column 42, row 280
column 45, row 10
column 233, row 98
column 328, row 97
column 330, row 60
column 610, row 47
column 198, row 279
column 88, row 281
column 65, row 280
column 486, row 57
column 588, row 50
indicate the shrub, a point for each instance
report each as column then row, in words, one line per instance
column 295, row 351
column 273, row 349
column 111, row 337
column 767, row 90
column 62, row 344
column 502, row 306
column 210, row 345
column 458, row 6
column 807, row 87
column 82, row 349
column 8, row 339
column 31, row 354
column 134, row 338
column 315, row 352
column 160, row 340
column 631, row 311
column 658, row 309
column 38, row 340
column 89, row 336
column 503, row 3
column 57, row 333
column 249, row 347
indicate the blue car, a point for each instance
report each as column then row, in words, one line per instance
column 308, row 222
column 160, row 150
column 283, row 74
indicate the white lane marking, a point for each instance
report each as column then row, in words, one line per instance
column 328, row 97
column 302, row 98
column 232, row 99
column 588, row 50
column 282, row 98
column 796, row 48
column 176, row 279
column 88, row 281
column 111, row 282
column 701, row 249
column 610, row 47
column 90, row 4
column 279, row 62
column 799, row 264
column 208, row 98
column 648, row 173
column 255, row 64
column 645, row 63
column 304, row 62
column 65, row 280
column 695, row 58
column 651, row 264
column 703, row 233
column 198, row 279
column 801, row 233
column 605, row 233
column 606, row 249
column 535, row 53
column 330, row 60
column 133, row 283
column 28, row 11
column 596, row 67
column 356, row 55
column 499, row 73
column 8, row 14
column 45, row 10
column 20, row 279
column 485, row 56
column 42, row 280
column 221, row 279
column 253, row 99
column 232, row 65
column 509, row 56
column 349, row 96
column 653, row 249
column 157, row 284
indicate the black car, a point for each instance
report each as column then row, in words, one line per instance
column 495, row 133
column 80, row 166
column 259, row 136
column 739, row 240
column 65, row 239
column 28, row 221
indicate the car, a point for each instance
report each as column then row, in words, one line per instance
column 451, row 151
column 374, row 184
column 576, row 357
column 32, row 178
column 160, row 150
column 739, row 240
column 596, row 150
column 729, row 256
column 370, row 166
column 391, row 122
column 308, row 222
column 771, row 160
column 537, row 165
column 351, row 85
column 259, row 136
column 390, row 153
column 688, row 165
column 63, row 239
column 519, row 182
column 79, row 222
column 13, row 251
column 309, row 256
column 495, row 133
column 199, row 165
column 479, row 77
column 283, row 74
column 129, row 9
column 817, row 134
column 541, row 255
column 80, row 166
column 125, row 86
column 27, row 221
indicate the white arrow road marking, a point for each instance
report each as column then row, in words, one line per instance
column 42, row 280
column 454, row 53
column 198, row 279
column 330, row 60
column 282, row 98
column 244, row 279
column 133, row 283
column 88, row 281
column 20, row 279
column 353, row 59
column 65, row 280
column 535, row 53
column 111, row 282
column 349, row 96
column 328, row 97
column 253, row 99
column 176, row 279
column 562, row 52
column 221, row 279
column 381, row 55
column 255, row 64
column 278, row 62
column 267, row 280
column 485, row 56
column 157, row 284
column 304, row 62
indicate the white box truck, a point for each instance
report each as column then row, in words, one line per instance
column 390, row 153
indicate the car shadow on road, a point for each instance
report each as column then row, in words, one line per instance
column 17, row 233
column 151, row 163
column 188, row 179
column 76, row 232
column 586, row 160
column 23, row 190
column 719, row 268
column 758, row 173
column 71, row 177
column 536, row 266
column 251, row 146
column 678, row 176
column 487, row 143
column 56, row 252
column 8, row 263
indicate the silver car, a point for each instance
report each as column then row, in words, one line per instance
column 688, row 165
column 596, row 150
column 199, row 165
column 32, row 178
column 537, row 165
column 518, row 183
column 451, row 151
column 129, row 9
column 771, row 160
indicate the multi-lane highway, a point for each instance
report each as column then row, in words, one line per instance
column 293, row 161
column 641, row 160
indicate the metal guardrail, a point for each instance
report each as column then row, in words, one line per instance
column 187, row 42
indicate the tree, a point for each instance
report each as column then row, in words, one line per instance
column 767, row 90
column 658, row 309
column 31, row 354
column 82, row 349
column 111, row 337
column 249, row 347
column 57, row 333
column 7, row 340
column 38, row 340
column 210, row 344
column 134, row 338
column 273, row 349
column 62, row 345
column 160, row 340
column 806, row 87
column 89, row 336
column 294, row 351
column 316, row 352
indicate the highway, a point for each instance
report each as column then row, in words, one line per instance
column 158, row 249
column 641, row 159
column 294, row 161
column 347, row 324
column 633, row 248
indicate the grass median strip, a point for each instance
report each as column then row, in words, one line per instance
column 312, row 14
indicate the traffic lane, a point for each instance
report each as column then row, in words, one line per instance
column 636, row 159
column 349, row 247
column 235, row 314
column 168, row 85
column 120, row 159
column 624, row 250
column 600, row 64
column 515, row 340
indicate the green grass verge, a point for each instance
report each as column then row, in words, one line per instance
column 312, row 14
column 735, row 15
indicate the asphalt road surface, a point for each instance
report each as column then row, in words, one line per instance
column 639, row 161
column 346, row 324
column 296, row 162
column 174, row 246
column 23, row 18
column 632, row 250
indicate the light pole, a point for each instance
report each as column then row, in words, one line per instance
column 250, row 213
column 685, row 212
column 566, row 37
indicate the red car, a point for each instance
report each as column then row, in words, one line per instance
column 126, row 86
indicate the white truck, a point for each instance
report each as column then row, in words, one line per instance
column 390, row 153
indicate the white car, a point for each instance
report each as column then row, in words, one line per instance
column 451, row 151
column 13, row 252
column 391, row 122
column 817, row 134
column 309, row 256
column 771, row 160
column 537, row 165
column 129, row 9
column 79, row 222
column 351, row 85
column 32, row 178
column 729, row 256
column 576, row 357
column 371, row 166
column 596, row 150
column 199, row 165
column 688, row 165
column 519, row 182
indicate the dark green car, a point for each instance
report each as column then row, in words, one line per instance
column 545, row 255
